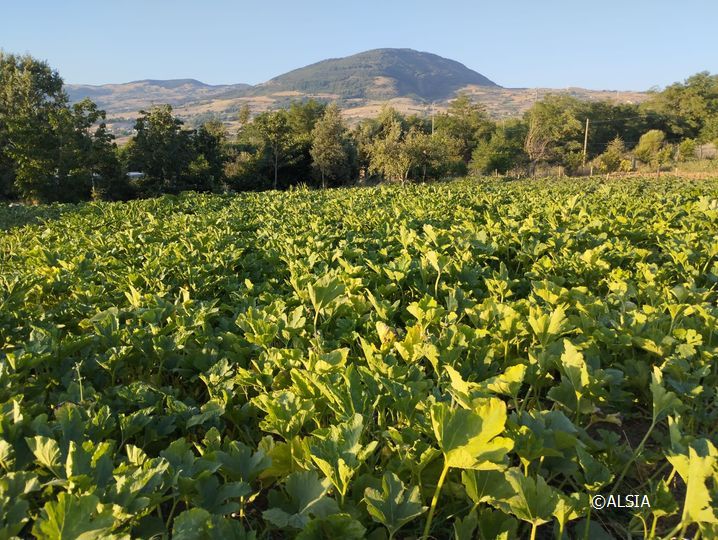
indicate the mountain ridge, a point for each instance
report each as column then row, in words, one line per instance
column 403, row 72
column 410, row 80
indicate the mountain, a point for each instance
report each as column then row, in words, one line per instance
column 411, row 81
column 136, row 95
column 380, row 74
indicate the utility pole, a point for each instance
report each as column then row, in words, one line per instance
column 432, row 118
column 585, row 143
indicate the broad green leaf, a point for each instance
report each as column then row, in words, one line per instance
column 46, row 451
column 14, row 514
column 470, row 439
column 497, row 525
column 198, row 524
column 508, row 383
column 303, row 497
column 533, row 500
column 240, row 463
column 338, row 453
column 393, row 506
column 324, row 291
column 695, row 470
column 548, row 327
column 486, row 486
column 465, row 529
column 73, row 517
column 209, row 412
column 596, row 475
column 333, row 527
column 7, row 455
column 575, row 368
column 286, row 413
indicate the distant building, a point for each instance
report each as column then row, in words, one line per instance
column 135, row 175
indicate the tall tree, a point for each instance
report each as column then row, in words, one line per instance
column 610, row 160
column 50, row 151
column 430, row 155
column 31, row 103
column 503, row 151
column 87, row 159
column 206, row 170
column 652, row 148
column 553, row 131
column 161, row 149
column 390, row 155
column 687, row 105
column 330, row 155
column 272, row 129
column 467, row 122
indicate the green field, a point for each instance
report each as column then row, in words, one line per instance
column 462, row 360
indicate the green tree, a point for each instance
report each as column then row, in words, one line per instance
column 387, row 118
column 303, row 116
column 430, row 155
column 330, row 155
column 244, row 115
column 206, row 170
column 390, row 156
column 161, row 149
column 274, row 136
column 686, row 106
column 610, row 160
column 31, row 100
column 363, row 137
column 50, row 151
column 687, row 150
column 466, row 122
column 87, row 163
column 243, row 171
column 709, row 133
column 610, row 120
column 652, row 149
column 502, row 152
column 553, row 131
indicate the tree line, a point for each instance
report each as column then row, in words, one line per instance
column 51, row 150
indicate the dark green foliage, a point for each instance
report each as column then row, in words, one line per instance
column 173, row 158
column 161, row 150
column 50, row 151
column 610, row 161
column 465, row 122
column 686, row 107
column 503, row 151
column 331, row 150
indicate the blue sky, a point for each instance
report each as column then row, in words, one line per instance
column 628, row 44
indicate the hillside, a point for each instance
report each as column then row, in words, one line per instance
column 380, row 74
column 135, row 95
column 411, row 81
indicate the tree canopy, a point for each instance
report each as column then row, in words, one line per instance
column 51, row 150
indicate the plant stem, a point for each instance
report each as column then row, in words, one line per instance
column 635, row 455
column 435, row 500
column 588, row 522
column 172, row 512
